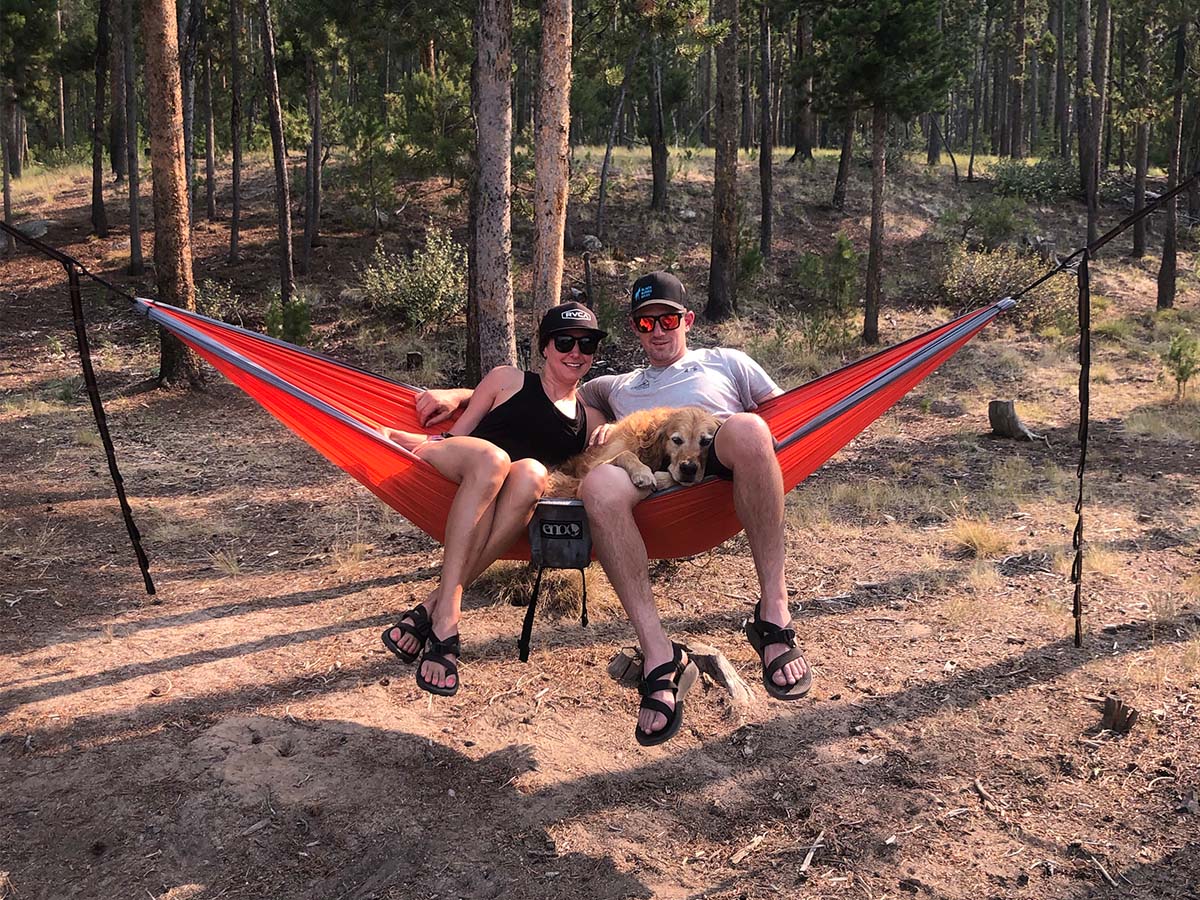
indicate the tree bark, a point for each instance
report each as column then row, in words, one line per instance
column 879, row 123
column 766, row 130
column 722, row 267
column 803, row 127
column 137, row 265
column 491, row 339
column 1096, row 122
column 1083, row 107
column 1016, row 108
column 62, row 93
column 99, row 218
column 747, row 116
column 235, row 126
column 210, row 141
column 191, row 24
column 172, row 231
column 1141, row 151
column 5, row 163
column 552, row 171
column 844, row 162
column 657, row 136
column 118, row 156
column 1166, row 271
column 612, row 137
column 312, row 170
column 287, row 281
column 980, row 88
column 1062, row 108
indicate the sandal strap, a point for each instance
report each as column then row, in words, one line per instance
column 450, row 667
column 772, row 633
column 646, row 688
column 657, row 706
column 783, row 659
column 451, row 645
column 418, row 624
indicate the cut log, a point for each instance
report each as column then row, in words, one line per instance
column 1002, row 414
column 626, row 668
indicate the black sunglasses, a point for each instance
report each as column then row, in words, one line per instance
column 667, row 321
column 564, row 343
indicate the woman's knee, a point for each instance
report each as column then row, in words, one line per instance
column 489, row 463
column 529, row 477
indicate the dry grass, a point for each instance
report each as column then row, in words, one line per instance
column 1173, row 422
column 86, row 437
column 1098, row 560
column 978, row 538
column 560, row 594
column 225, row 561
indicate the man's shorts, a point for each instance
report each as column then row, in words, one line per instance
column 714, row 466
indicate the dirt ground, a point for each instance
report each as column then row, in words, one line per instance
column 244, row 733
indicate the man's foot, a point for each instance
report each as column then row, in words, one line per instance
column 438, row 672
column 786, row 674
column 407, row 637
column 663, row 689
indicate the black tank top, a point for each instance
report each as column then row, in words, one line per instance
column 528, row 424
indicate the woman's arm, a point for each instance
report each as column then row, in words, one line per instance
column 497, row 386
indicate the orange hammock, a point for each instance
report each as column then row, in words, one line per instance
column 339, row 409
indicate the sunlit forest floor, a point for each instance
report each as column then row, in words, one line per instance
column 244, row 733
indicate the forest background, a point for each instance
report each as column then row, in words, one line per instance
column 407, row 187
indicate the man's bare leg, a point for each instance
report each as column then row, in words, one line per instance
column 744, row 444
column 609, row 498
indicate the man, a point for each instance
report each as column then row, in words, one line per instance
column 730, row 385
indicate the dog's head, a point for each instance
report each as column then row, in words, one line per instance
column 686, row 435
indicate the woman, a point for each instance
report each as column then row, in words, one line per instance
column 516, row 424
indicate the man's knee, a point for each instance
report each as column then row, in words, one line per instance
column 607, row 490
column 744, row 437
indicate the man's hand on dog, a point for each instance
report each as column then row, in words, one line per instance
column 601, row 434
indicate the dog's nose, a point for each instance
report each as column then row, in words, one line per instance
column 688, row 470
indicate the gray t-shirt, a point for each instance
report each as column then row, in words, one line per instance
column 719, row 379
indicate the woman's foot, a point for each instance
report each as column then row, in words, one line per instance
column 407, row 637
column 438, row 672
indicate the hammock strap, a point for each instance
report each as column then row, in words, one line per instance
column 89, row 379
column 1085, row 366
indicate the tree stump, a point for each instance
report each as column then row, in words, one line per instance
column 1002, row 414
column 626, row 669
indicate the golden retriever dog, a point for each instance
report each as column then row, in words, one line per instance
column 657, row 447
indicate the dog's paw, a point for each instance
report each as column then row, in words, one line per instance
column 642, row 478
column 663, row 480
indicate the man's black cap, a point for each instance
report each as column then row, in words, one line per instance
column 658, row 287
column 568, row 317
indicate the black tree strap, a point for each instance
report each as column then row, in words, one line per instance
column 1085, row 368
column 89, row 378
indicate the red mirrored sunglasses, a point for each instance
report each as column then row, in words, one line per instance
column 666, row 321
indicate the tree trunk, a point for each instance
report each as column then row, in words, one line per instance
column 879, row 121
column 657, row 135
column 312, row 170
column 191, row 24
column 5, row 160
column 1141, row 151
column 766, row 130
column 491, row 339
column 612, row 137
column 210, row 141
column 1083, row 108
column 1062, row 107
column 803, row 126
column 137, row 265
column 99, row 218
column 722, row 266
column 1166, row 271
column 552, row 169
column 844, row 162
column 172, row 232
column 62, row 93
column 117, row 154
column 287, row 281
column 1016, row 120
column 980, row 88
column 1096, row 123
column 747, row 117
column 235, row 126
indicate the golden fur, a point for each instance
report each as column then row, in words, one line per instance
column 657, row 447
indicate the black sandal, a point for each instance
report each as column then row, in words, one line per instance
column 675, row 676
column 761, row 635
column 418, row 626
column 439, row 653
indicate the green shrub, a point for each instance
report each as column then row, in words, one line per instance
column 975, row 278
column 59, row 157
column 1043, row 181
column 989, row 221
column 291, row 323
column 215, row 299
column 825, row 291
column 1183, row 360
column 423, row 290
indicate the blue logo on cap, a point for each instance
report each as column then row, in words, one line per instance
column 642, row 292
